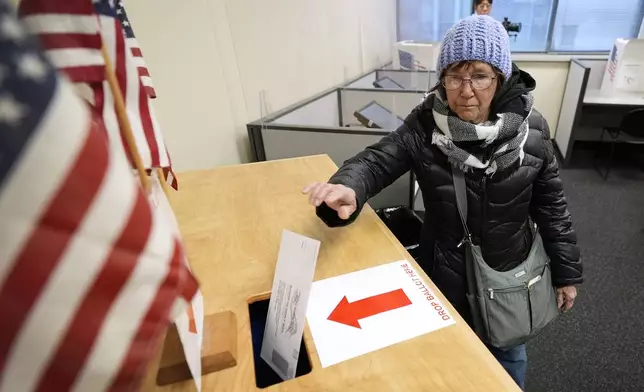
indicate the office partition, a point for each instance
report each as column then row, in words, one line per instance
column 571, row 105
column 592, row 118
column 340, row 145
column 365, row 81
column 409, row 80
column 325, row 124
column 406, row 79
column 399, row 102
column 321, row 111
column 596, row 69
column 587, row 109
column 387, row 83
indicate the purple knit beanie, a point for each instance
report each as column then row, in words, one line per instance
column 477, row 37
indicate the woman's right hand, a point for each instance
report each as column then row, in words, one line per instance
column 339, row 197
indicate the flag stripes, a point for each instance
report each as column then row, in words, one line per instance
column 89, row 271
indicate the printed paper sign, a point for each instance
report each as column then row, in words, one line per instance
column 189, row 317
column 357, row 313
column 287, row 307
column 190, row 329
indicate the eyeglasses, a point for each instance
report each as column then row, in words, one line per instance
column 484, row 6
column 478, row 82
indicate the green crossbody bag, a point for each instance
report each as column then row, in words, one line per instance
column 508, row 307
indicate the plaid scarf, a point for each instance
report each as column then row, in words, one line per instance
column 492, row 145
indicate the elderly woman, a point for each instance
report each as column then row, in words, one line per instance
column 478, row 119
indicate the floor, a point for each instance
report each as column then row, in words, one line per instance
column 599, row 345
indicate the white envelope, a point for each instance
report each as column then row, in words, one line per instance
column 289, row 299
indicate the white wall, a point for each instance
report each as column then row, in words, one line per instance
column 209, row 60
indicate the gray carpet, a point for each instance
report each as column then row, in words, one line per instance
column 599, row 345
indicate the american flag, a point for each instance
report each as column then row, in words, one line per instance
column 406, row 59
column 133, row 44
column 612, row 63
column 147, row 130
column 89, row 273
column 69, row 32
column 47, row 20
column 170, row 177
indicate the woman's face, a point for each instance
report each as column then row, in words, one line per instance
column 470, row 89
column 483, row 8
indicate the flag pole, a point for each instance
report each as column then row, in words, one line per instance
column 164, row 184
column 124, row 122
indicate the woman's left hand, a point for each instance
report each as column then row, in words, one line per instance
column 566, row 297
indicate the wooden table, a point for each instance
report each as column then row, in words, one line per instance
column 231, row 219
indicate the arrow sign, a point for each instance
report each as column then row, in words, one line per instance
column 350, row 313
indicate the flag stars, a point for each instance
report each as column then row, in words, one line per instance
column 10, row 29
column 126, row 23
column 11, row 112
column 31, row 67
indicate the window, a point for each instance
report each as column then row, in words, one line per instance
column 593, row 25
column 546, row 25
column 429, row 20
column 534, row 16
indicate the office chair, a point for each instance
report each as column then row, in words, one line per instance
column 630, row 131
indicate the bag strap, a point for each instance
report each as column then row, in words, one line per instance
column 461, row 201
column 460, row 189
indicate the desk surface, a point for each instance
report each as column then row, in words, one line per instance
column 231, row 219
column 597, row 98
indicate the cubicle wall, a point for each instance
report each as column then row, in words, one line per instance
column 572, row 103
column 399, row 102
column 365, row 81
column 321, row 111
column 325, row 124
column 591, row 117
column 281, row 142
column 410, row 80
column 596, row 70
column 585, row 111
column 336, row 108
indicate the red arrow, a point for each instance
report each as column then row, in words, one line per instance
column 349, row 313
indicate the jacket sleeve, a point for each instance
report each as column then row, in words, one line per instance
column 549, row 210
column 372, row 170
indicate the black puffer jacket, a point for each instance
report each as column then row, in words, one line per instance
column 500, row 206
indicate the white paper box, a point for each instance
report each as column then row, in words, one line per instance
column 625, row 68
column 415, row 56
